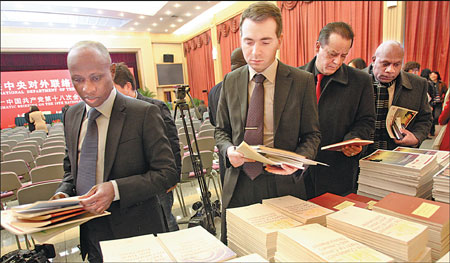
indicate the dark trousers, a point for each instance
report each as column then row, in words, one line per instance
column 166, row 201
column 265, row 186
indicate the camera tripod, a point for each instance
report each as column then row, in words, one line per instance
column 205, row 211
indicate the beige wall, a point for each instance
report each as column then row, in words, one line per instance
column 394, row 21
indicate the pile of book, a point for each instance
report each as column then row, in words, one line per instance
column 441, row 185
column 435, row 215
column 45, row 219
column 253, row 229
column 369, row 201
column 252, row 258
column 298, row 209
column 384, row 172
column 401, row 239
column 188, row 245
column 444, row 259
column 336, row 202
column 442, row 157
column 316, row 243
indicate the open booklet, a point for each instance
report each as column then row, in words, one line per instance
column 352, row 142
column 274, row 156
column 398, row 118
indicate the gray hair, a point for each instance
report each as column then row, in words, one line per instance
column 92, row 44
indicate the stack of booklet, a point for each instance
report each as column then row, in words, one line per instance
column 316, row 243
column 336, row 202
column 252, row 258
column 401, row 239
column 253, row 229
column 45, row 219
column 384, row 172
column 444, row 259
column 298, row 209
column 188, row 245
column 369, row 201
column 435, row 215
column 441, row 185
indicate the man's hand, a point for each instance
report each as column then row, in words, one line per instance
column 283, row 170
column 351, row 150
column 99, row 198
column 408, row 140
column 58, row 196
column 236, row 158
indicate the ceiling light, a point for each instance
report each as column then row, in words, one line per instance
column 176, row 5
column 131, row 28
column 141, row 17
column 166, row 30
column 154, row 24
column 161, row 19
column 180, row 20
column 121, row 14
column 136, row 23
column 149, row 29
column 99, row 12
column 197, row 7
column 188, row 14
column 113, row 28
column 172, row 25
column 168, row 12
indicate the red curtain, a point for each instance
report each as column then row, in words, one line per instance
column 228, row 36
column 427, row 38
column 303, row 20
column 200, row 65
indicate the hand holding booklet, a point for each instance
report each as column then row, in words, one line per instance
column 397, row 119
column 352, row 142
column 274, row 156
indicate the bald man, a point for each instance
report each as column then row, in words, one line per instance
column 392, row 86
column 134, row 160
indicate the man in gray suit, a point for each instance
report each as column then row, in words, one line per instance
column 289, row 120
column 133, row 163
column 393, row 86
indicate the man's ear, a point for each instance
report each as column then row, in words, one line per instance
column 317, row 47
column 129, row 87
column 112, row 68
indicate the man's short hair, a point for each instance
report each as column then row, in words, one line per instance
column 340, row 28
column 260, row 11
column 93, row 44
column 123, row 75
column 411, row 65
column 237, row 59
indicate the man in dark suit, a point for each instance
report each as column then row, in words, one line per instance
column 125, row 83
column 401, row 89
column 133, row 162
column 289, row 120
column 346, row 111
column 237, row 61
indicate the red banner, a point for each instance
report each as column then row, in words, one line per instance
column 50, row 90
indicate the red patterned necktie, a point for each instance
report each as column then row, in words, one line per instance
column 319, row 79
column 255, row 124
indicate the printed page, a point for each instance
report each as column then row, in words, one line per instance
column 353, row 142
column 405, row 115
column 144, row 248
column 297, row 207
column 195, row 244
column 251, row 153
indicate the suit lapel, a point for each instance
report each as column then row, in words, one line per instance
column 282, row 90
column 242, row 91
column 78, row 117
column 116, row 122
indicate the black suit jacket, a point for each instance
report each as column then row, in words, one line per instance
column 346, row 111
column 137, row 156
column 213, row 101
column 296, row 124
column 171, row 128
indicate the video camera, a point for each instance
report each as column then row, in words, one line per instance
column 40, row 254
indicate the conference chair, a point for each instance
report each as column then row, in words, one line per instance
column 11, row 143
column 47, row 172
column 25, row 155
column 53, row 143
column 10, row 183
column 57, row 134
column 53, row 149
column 5, row 148
column 30, row 147
column 205, row 116
column 55, row 138
column 51, row 158
column 207, row 126
column 19, row 167
column 29, row 142
column 39, row 134
column 17, row 137
column 25, row 133
column 206, row 133
column 39, row 140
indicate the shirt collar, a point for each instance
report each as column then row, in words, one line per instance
column 270, row 72
column 106, row 107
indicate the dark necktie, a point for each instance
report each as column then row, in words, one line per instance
column 87, row 167
column 255, row 124
column 318, row 89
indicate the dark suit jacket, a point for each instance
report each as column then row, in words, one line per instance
column 171, row 128
column 137, row 156
column 411, row 92
column 296, row 125
column 346, row 111
column 213, row 100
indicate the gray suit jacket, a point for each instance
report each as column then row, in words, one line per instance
column 137, row 156
column 411, row 92
column 296, row 124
